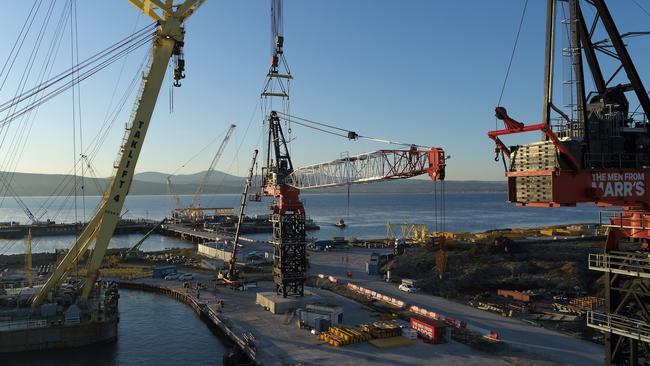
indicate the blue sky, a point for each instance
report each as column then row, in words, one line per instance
column 420, row 71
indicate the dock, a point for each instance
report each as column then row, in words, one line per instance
column 14, row 230
column 271, row 339
column 196, row 235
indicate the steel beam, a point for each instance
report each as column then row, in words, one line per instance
column 624, row 56
column 548, row 65
column 579, row 76
column 590, row 55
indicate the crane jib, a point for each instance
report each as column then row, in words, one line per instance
column 125, row 172
column 167, row 43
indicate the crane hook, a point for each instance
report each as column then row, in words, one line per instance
column 496, row 153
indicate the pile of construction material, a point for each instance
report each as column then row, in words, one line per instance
column 526, row 296
column 338, row 336
column 588, row 303
column 580, row 305
column 342, row 335
column 382, row 329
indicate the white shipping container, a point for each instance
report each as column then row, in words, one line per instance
column 333, row 312
column 311, row 319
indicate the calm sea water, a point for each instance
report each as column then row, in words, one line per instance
column 153, row 330
column 366, row 215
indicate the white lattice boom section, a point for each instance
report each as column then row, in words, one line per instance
column 371, row 167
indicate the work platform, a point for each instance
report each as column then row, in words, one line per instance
column 196, row 236
column 624, row 263
column 621, row 325
column 626, row 293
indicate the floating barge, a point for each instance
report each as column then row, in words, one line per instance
column 62, row 323
column 251, row 225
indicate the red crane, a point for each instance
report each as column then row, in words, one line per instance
column 599, row 153
column 283, row 182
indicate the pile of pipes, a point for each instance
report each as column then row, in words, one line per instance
column 383, row 329
column 338, row 336
column 341, row 335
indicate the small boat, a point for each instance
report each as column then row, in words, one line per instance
column 340, row 224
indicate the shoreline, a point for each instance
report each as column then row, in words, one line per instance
column 205, row 313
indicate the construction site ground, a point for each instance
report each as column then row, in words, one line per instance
column 555, row 270
column 279, row 341
column 533, row 343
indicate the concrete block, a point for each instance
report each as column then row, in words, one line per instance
column 277, row 304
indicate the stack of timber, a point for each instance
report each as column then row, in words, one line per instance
column 588, row 302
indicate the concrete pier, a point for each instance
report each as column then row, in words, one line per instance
column 277, row 340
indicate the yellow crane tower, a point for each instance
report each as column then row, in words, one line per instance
column 167, row 44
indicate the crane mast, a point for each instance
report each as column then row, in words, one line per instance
column 288, row 214
column 598, row 154
column 196, row 201
column 240, row 219
column 167, row 44
column 172, row 192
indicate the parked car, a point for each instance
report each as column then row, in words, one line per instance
column 407, row 288
column 253, row 257
column 185, row 277
column 171, row 276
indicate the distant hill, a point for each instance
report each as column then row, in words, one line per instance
column 216, row 176
column 154, row 183
column 418, row 186
column 149, row 183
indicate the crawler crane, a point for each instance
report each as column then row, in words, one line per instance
column 599, row 153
